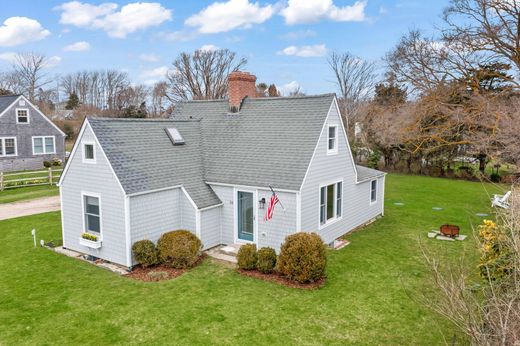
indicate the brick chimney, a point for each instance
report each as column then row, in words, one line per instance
column 240, row 85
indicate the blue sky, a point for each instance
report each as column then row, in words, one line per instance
column 286, row 42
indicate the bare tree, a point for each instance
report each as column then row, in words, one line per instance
column 29, row 69
column 160, row 102
column 355, row 79
column 492, row 26
column 100, row 89
column 9, row 82
column 202, row 75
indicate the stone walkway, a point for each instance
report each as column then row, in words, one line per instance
column 29, row 207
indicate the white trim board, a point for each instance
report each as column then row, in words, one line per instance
column 251, row 187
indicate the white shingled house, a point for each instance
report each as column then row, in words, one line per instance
column 209, row 169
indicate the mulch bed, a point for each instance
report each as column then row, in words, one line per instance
column 279, row 279
column 160, row 272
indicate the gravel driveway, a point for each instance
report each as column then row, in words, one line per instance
column 30, row 207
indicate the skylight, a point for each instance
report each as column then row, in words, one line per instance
column 175, row 136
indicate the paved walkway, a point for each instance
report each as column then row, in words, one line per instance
column 29, row 207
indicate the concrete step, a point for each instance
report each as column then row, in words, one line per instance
column 226, row 253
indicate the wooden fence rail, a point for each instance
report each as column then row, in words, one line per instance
column 51, row 177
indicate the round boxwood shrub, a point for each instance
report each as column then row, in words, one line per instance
column 247, row 257
column 179, row 249
column 145, row 253
column 47, row 164
column 266, row 260
column 303, row 257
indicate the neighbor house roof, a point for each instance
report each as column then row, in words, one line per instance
column 6, row 101
column 144, row 158
column 270, row 142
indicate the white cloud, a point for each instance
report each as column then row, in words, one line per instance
column 53, row 61
column 305, row 51
column 289, row 88
column 209, row 47
column 149, row 57
column 178, row 36
column 309, row 11
column 155, row 73
column 226, row 16
column 130, row 18
column 20, row 30
column 77, row 46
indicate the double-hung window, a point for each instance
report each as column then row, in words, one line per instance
column 22, row 116
column 373, row 191
column 331, row 202
column 332, row 139
column 92, row 214
column 44, row 145
column 8, row 146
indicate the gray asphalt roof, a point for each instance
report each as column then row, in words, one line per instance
column 6, row 101
column 269, row 142
column 144, row 158
column 365, row 173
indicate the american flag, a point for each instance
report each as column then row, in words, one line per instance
column 270, row 207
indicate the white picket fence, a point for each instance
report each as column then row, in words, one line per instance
column 51, row 177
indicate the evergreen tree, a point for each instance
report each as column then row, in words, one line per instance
column 72, row 102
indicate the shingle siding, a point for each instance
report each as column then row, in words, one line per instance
column 188, row 214
column 153, row 214
column 210, row 227
column 94, row 178
column 326, row 169
column 37, row 126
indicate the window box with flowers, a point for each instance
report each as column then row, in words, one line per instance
column 90, row 240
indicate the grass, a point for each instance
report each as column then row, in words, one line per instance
column 26, row 193
column 47, row 298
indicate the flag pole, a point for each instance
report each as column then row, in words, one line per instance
column 274, row 193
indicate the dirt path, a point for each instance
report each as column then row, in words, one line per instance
column 29, row 207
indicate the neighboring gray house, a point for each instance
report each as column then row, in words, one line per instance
column 27, row 136
column 209, row 170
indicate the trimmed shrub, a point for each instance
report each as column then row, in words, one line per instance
column 266, row 260
column 47, row 164
column 179, row 249
column 247, row 257
column 303, row 257
column 145, row 253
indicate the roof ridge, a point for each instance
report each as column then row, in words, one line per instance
column 264, row 98
column 141, row 120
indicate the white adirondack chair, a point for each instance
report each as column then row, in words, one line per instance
column 501, row 201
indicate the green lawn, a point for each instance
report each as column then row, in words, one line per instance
column 30, row 192
column 25, row 193
column 46, row 298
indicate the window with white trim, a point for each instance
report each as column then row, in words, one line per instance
column 373, row 191
column 44, row 145
column 22, row 116
column 332, row 142
column 8, row 146
column 92, row 214
column 88, row 152
column 331, row 197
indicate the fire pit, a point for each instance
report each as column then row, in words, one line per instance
column 451, row 231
